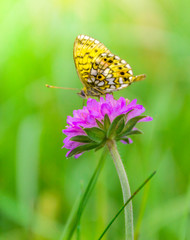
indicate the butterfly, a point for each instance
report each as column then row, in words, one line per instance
column 99, row 70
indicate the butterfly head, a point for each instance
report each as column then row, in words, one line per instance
column 83, row 93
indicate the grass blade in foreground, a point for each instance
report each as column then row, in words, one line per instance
column 121, row 209
column 76, row 213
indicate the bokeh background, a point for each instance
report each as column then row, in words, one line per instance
column 38, row 185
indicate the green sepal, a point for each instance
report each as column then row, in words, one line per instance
column 101, row 145
column 137, row 131
column 99, row 124
column 121, row 125
column 106, row 122
column 95, row 134
column 81, row 138
column 83, row 148
column 133, row 132
column 126, row 115
column 130, row 125
column 114, row 126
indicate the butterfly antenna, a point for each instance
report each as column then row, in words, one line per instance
column 49, row 86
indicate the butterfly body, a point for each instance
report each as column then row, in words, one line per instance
column 99, row 70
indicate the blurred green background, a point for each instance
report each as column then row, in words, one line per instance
column 38, row 185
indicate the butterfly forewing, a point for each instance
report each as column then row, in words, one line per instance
column 86, row 50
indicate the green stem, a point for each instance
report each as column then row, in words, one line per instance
column 128, row 211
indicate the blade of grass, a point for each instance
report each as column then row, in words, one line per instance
column 141, row 213
column 74, row 219
column 184, row 231
column 78, row 231
column 121, row 209
column 92, row 182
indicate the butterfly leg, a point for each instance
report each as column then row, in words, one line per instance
column 98, row 90
column 84, row 101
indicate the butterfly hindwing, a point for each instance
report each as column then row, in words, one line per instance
column 111, row 74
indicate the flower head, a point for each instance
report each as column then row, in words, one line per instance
column 99, row 121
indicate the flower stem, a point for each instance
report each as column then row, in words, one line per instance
column 129, row 231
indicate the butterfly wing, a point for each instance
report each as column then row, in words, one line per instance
column 85, row 52
column 113, row 73
column 99, row 70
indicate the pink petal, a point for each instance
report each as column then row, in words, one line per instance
column 138, row 110
column 146, row 119
column 106, row 109
column 130, row 141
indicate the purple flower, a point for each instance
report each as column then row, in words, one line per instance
column 93, row 116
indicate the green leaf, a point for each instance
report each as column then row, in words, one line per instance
column 106, row 122
column 115, row 125
column 131, row 124
column 99, row 124
column 95, row 134
column 81, row 138
column 83, row 148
